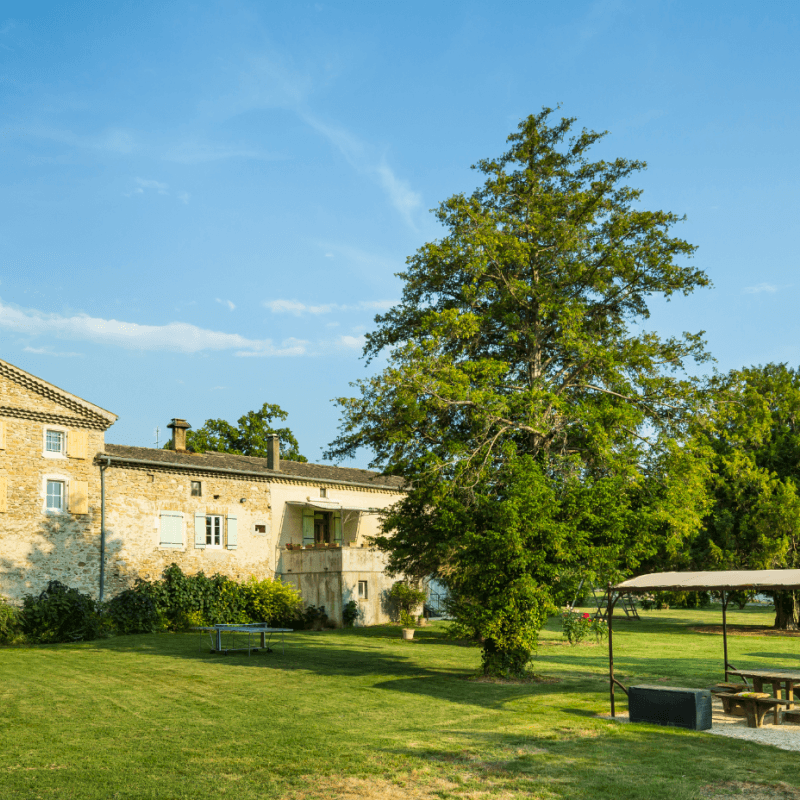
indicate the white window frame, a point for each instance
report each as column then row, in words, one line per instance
column 199, row 488
column 62, row 497
column 365, row 585
column 60, row 454
column 221, row 544
column 55, row 478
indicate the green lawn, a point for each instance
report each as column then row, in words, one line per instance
column 362, row 714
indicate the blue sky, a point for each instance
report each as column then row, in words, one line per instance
column 203, row 205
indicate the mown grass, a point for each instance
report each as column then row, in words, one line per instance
column 362, row 714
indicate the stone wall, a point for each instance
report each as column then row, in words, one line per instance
column 34, row 548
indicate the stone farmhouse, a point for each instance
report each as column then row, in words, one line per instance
column 69, row 502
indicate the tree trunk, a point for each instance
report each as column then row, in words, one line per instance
column 787, row 610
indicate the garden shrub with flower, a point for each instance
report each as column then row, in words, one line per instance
column 577, row 626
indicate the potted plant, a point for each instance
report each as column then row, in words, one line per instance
column 406, row 598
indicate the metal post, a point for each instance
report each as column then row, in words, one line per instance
column 610, row 615
column 725, row 631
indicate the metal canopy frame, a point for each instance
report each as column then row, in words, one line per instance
column 723, row 581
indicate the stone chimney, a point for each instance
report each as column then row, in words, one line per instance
column 274, row 452
column 179, row 428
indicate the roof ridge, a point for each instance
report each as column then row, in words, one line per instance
column 71, row 401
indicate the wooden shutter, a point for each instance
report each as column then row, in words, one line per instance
column 78, row 444
column 2, row 434
column 233, row 540
column 171, row 529
column 199, row 530
column 337, row 527
column 79, row 497
column 3, row 493
column 308, row 526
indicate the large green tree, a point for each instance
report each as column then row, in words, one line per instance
column 752, row 434
column 248, row 438
column 532, row 415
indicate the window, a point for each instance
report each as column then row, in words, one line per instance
column 214, row 531
column 261, row 528
column 323, row 492
column 362, row 590
column 54, row 442
column 197, row 489
column 56, row 495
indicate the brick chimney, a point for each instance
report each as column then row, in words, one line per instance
column 179, row 428
column 274, row 452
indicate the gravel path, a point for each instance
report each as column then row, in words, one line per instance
column 785, row 737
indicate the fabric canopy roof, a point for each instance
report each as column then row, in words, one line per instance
column 760, row 579
column 324, row 505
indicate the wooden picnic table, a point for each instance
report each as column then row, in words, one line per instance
column 782, row 681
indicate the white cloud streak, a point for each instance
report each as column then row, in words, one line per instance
column 298, row 309
column 761, row 287
column 229, row 303
column 180, row 337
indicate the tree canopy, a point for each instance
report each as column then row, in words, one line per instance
column 751, row 434
column 531, row 413
column 249, row 438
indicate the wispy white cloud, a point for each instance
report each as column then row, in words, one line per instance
column 161, row 188
column 184, row 197
column 761, row 287
column 110, row 140
column 364, row 160
column 298, row 309
column 46, row 351
column 197, row 152
column 228, row 303
column 178, row 337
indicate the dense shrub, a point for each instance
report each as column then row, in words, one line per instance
column 183, row 601
column 577, row 626
column 350, row 613
column 273, row 602
column 61, row 614
column 10, row 623
column 133, row 612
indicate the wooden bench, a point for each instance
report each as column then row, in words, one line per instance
column 756, row 706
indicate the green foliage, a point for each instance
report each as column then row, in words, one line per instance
column 350, row 613
column 575, row 626
column 61, row 614
column 248, row 439
column 10, row 623
column 405, row 598
column 271, row 601
column 133, row 612
column 517, row 353
column 751, row 431
column 314, row 617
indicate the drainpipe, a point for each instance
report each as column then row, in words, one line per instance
column 103, row 524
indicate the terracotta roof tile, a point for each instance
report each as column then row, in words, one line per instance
column 250, row 464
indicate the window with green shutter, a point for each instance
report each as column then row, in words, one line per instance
column 233, row 534
column 337, row 527
column 308, row 526
column 171, row 529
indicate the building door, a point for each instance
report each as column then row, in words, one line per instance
column 322, row 529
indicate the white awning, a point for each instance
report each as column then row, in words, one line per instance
column 330, row 505
column 758, row 579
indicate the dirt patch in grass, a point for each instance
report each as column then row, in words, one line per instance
column 413, row 787
column 530, row 677
column 733, row 790
column 744, row 630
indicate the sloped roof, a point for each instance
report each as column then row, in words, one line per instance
column 228, row 462
column 759, row 579
column 52, row 392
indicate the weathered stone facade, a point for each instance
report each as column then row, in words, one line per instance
column 212, row 512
